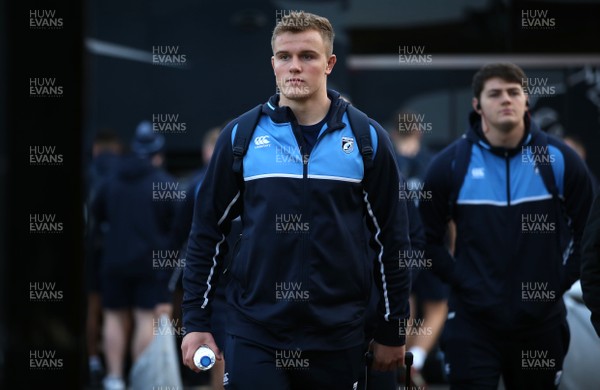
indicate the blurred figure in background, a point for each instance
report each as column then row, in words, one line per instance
column 107, row 148
column 138, row 225
column 583, row 311
column 413, row 155
column 590, row 265
column 180, row 232
column 577, row 144
column 429, row 295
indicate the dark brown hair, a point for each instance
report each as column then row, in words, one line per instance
column 505, row 71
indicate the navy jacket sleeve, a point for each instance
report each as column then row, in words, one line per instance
column 184, row 214
column 435, row 214
column 388, row 221
column 578, row 199
column 416, row 234
column 590, row 264
column 217, row 204
column 182, row 222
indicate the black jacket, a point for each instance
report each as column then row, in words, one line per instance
column 137, row 206
column 302, row 276
column 510, row 269
column 590, row 264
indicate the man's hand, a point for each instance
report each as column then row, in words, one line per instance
column 191, row 342
column 387, row 358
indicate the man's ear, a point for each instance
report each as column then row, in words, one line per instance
column 476, row 105
column 330, row 64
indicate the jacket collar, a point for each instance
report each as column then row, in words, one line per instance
column 475, row 135
column 286, row 115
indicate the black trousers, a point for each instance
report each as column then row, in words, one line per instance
column 476, row 357
column 250, row 366
column 377, row 380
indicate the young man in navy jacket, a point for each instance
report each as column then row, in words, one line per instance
column 300, row 280
column 517, row 246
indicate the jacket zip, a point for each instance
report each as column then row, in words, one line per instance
column 304, row 202
column 511, row 280
column 305, row 197
column 507, row 159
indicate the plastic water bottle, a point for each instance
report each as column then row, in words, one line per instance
column 204, row 358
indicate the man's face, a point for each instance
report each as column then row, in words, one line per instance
column 301, row 64
column 503, row 104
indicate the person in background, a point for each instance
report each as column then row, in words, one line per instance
column 412, row 153
column 575, row 142
column 590, row 264
column 517, row 245
column 107, row 148
column 429, row 295
column 138, row 227
column 583, row 312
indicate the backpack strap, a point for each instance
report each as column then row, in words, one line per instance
column 246, row 124
column 541, row 155
column 462, row 158
column 543, row 163
column 359, row 122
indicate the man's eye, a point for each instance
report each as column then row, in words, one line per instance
column 307, row 56
column 283, row 56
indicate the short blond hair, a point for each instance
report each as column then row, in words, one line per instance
column 296, row 22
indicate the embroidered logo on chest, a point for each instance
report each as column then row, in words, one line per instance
column 347, row 144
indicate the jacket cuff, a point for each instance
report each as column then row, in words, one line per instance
column 390, row 333
column 196, row 319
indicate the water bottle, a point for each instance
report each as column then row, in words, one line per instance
column 204, row 358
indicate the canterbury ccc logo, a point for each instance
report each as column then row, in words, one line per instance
column 262, row 140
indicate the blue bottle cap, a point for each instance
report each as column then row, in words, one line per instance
column 204, row 358
column 205, row 361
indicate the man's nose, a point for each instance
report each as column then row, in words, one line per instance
column 505, row 97
column 295, row 65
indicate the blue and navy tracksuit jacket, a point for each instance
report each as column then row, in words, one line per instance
column 303, row 229
column 517, row 250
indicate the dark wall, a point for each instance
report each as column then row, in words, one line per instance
column 43, row 290
column 3, row 190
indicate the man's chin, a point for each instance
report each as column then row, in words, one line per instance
column 295, row 93
column 506, row 126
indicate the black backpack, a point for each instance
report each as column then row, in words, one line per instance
column 359, row 122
